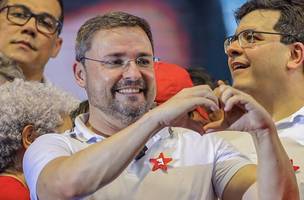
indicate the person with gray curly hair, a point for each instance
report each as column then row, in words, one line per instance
column 9, row 69
column 28, row 110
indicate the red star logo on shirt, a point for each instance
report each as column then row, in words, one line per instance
column 295, row 167
column 160, row 162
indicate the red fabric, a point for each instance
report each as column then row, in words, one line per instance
column 12, row 189
column 170, row 79
column 161, row 162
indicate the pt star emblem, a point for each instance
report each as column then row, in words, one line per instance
column 295, row 167
column 160, row 162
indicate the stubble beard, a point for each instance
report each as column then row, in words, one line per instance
column 127, row 113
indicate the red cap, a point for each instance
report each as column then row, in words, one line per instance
column 170, row 79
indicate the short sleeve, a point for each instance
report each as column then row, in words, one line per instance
column 43, row 150
column 227, row 162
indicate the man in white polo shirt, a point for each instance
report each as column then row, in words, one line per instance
column 123, row 150
column 266, row 60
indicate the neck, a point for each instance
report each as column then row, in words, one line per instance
column 32, row 74
column 103, row 124
column 89, row 126
column 33, row 77
column 280, row 103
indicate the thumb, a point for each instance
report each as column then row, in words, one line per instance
column 213, row 126
column 220, row 82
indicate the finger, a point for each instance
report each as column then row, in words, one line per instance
column 216, row 115
column 212, row 97
column 197, row 91
column 217, row 90
column 185, row 105
column 208, row 104
column 213, row 126
column 220, row 82
column 204, row 91
column 203, row 96
column 226, row 93
column 208, row 94
column 236, row 100
column 198, row 88
column 196, row 116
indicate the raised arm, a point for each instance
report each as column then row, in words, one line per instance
column 90, row 169
column 275, row 176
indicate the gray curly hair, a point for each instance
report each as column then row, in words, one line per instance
column 9, row 69
column 29, row 103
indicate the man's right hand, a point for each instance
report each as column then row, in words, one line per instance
column 174, row 112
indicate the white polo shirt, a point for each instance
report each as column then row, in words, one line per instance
column 292, row 127
column 201, row 166
column 291, row 133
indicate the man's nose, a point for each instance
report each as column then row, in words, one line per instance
column 234, row 49
column 30, row 27
column 132, row 70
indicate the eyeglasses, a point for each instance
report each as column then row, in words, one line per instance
column 249, row 38
column 116, row 62
column 20, row 15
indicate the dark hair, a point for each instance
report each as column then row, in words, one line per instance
column 200, row 76
column 291, row 21
column 61, row 17
column 107, row 21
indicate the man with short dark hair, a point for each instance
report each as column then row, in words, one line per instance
column 29, row 33
column 266, row 60
column 123, row 149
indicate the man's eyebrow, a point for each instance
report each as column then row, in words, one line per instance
column 40, row 13
column 143, row 54
column 246, row 29
column 17, row 4
column 116, row 55
column 123, row 54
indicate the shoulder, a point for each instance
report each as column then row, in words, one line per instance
column 43, row 150
column 51, row 146
column 50, row 142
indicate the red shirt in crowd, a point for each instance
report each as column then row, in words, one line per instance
column 13, row 189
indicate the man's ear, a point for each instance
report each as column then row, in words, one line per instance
column 56, row 47
column 79, row 74
column 296, row 59
column 28, row 135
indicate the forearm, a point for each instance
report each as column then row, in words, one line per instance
column 276, row 179
column 92, row 168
